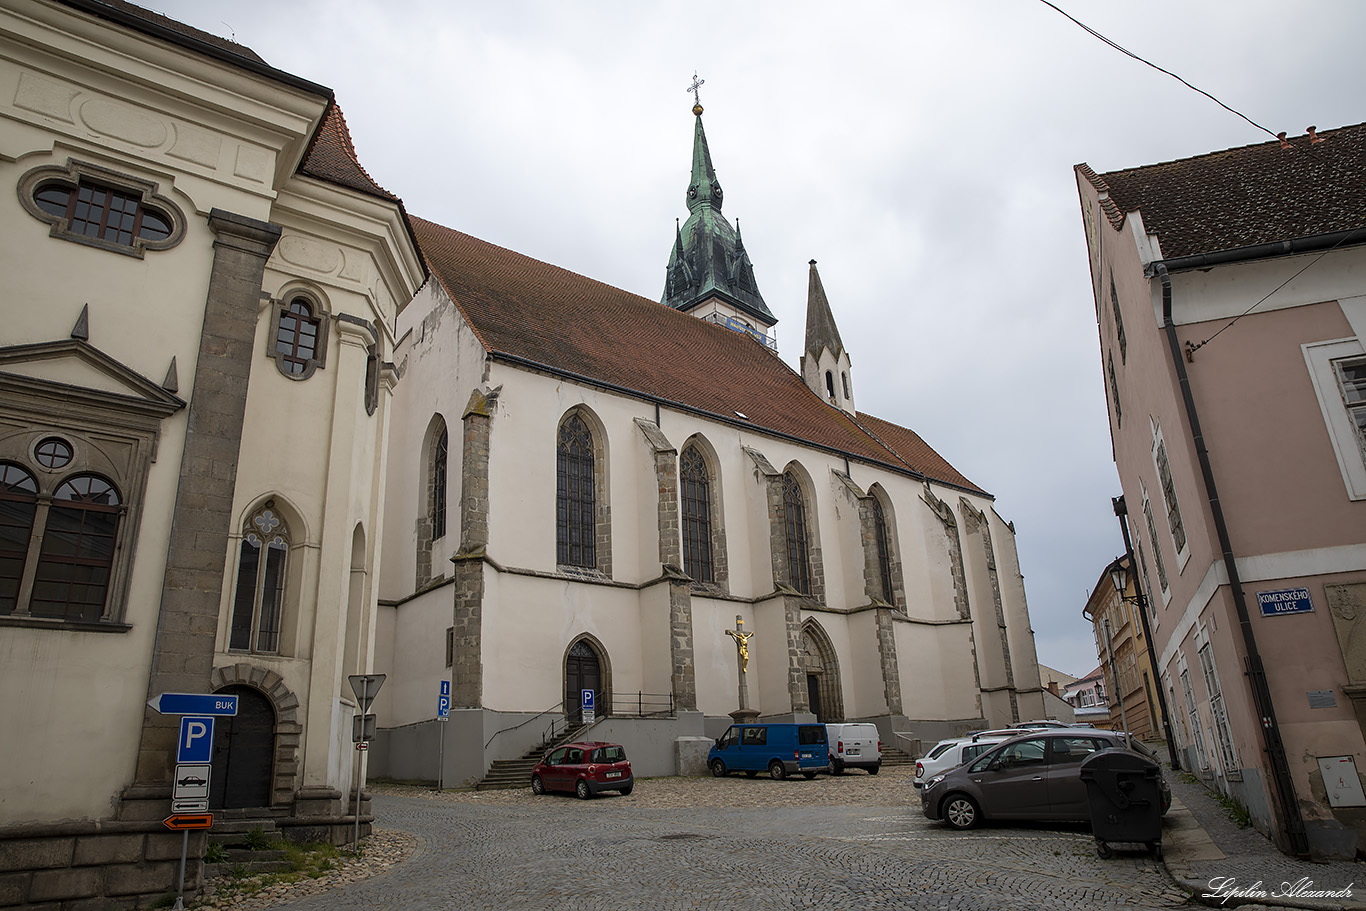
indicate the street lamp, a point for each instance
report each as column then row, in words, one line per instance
column 1120, row 577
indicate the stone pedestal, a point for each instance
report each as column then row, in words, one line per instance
column 745, row 716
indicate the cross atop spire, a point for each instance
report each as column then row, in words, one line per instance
column 696, row 93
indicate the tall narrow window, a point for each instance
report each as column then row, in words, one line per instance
column 1164, row 473
column 259, row 599
column 439, row 458
column 1119, row 324
column 1114, row 392
column 884, row 552
column 695, row 481
column 1152, row 536
column 830, row 384
column 77, row 557
column 18, row 505
column 1216, row 708
column 794, row 523
column 1197, row 732
column 575, row 515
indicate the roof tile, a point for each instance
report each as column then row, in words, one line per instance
column 1245, row 196
column 566, row 322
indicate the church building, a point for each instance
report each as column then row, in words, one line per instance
column 588, row 489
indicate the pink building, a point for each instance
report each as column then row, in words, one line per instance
column 1230, row 294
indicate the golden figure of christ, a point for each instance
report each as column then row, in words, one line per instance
column 742, row 642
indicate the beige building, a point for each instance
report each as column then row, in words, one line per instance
column 201, row 286
column 602, row 484
column 1123, row 652
column 1231, row 308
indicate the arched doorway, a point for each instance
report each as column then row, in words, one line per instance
column 584, row 669
column 826, row 698
column 243, row 752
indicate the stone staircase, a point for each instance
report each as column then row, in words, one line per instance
column 891, row 756
column 247, row 847
column 506, row 774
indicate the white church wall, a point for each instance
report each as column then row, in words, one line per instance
column 864, row 693
column 937, row 681
column 440, row 362
column 715, row 659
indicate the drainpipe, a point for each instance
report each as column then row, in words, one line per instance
column 1284, row 786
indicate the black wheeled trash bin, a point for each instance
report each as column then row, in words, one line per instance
column 1125, row 798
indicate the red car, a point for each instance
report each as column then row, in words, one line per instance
column 587, row 769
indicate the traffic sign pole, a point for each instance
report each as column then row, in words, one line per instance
column 366, row 687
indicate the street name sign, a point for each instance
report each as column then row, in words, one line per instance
column 1285, row 601
column 194, row 704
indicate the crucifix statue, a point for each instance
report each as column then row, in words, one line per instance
column 744, row 713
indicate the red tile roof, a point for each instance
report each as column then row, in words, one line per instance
column 1245, row 196
column 542, row 315
column 331, row 156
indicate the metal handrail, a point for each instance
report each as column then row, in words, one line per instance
column 659, row 705
column 554, row 708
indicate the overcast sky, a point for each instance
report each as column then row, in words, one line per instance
column 921, row 152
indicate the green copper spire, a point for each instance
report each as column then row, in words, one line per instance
column 708, row 260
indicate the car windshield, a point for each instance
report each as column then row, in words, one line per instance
column 609, row 754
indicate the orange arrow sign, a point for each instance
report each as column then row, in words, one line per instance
column 180, row 821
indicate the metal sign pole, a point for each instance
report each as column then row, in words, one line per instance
column 360, row 758
column 180, row 892
column 440, row 756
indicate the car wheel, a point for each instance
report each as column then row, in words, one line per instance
column 537, row 786
column 874, row 769
column 838, row 766
column 776, row 771
column 581, row 789
column 718, row 768
column 808, row 775
column 961, row 812
column 627, row 790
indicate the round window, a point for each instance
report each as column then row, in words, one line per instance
column 53, row 453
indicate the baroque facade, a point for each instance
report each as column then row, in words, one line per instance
column 201, row 287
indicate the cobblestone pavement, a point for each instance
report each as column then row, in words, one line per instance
column 1245, row 859
column 854, row 841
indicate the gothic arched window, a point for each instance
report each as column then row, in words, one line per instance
column 884, row 552
column 439, row 461
column 258, row 602
column 695, row 483
column 298, row 337
column 795, row 527
column 575, row 512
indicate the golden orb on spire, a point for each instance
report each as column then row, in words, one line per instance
column 697, row 109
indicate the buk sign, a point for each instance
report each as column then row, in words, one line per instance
column 1285, row 601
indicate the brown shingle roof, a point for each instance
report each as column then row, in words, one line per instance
column 1250, row 195
column 554, row 318
column 331, row 156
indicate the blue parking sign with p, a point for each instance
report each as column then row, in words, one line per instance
column 587, row 700
column 196, row 739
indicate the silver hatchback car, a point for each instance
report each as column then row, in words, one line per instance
column 1036, row 775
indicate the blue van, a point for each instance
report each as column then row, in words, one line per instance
column 781, row 749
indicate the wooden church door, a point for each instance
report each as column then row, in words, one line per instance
column 582, row 671
column 243, row 752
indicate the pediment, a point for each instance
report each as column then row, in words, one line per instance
column 74, row 369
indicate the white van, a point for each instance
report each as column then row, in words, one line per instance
column 854, row 746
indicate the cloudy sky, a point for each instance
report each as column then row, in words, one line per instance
column 921, row 152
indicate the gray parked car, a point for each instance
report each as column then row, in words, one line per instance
column 1036, row 775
